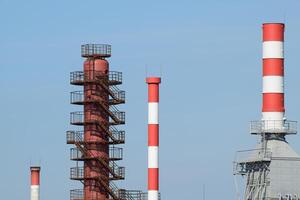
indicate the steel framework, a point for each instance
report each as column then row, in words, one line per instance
column 254, row 166
column 95, row 145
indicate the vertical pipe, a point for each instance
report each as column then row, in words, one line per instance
column 35, row 183
column 153, row 137
column 273, row 74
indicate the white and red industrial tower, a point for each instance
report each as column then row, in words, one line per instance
column 153, row 137
column 273, row 73
column 271, row 168
column 35, row 183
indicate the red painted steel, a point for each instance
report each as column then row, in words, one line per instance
column 273, row 67
column 153, row 89
column 273, row 32
column 153, row 176
column 153, row 133
column 154, row 80
column 153, row 137
column 272, row 101
column 35, row 175
column 94, row 67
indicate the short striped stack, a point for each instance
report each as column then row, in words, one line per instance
column 35, row 183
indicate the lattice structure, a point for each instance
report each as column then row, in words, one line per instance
column 254, row 165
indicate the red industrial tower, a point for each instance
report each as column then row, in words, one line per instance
column 95, row 145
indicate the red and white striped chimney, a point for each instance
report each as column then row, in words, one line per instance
column 35, row 183
column 153, row 137
column 273, row 74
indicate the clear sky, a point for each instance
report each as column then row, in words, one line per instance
column 209, row 53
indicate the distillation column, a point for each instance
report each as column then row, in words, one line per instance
column 35, row 183
column 153, row 137
column 93, row 66
column 96, row 144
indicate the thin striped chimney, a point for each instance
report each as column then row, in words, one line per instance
column 35, row 183
column 153, row 137
column 273, row 74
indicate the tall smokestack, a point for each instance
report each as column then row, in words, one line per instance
column 35, row 183
column 271, row 168
column 273, row 74
column 153, row 137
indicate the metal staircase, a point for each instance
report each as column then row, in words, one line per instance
column 97, row 81
column 95, row 145
column 116, row 172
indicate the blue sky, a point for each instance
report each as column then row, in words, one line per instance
column 209, row 54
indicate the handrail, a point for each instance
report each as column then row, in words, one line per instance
column 79, row 77
column 77, row 117
column 115, row 170
column 76, row 194
column 115, row 153
column 115, row 135
column 117, row 117
column 76, row 172
column 273, row 126
column 253, row 155
column 246, row 157
column 135, row 195
column 95, row 50
column 78, row 97
column 120, row 194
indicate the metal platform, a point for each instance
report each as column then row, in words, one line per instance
column 285, row 127
column 115, row 137
column 78, row 194
column 80, row 77
column 78, row 118
column 96, row 50
column 78, row 97
column 77, row 173
column 115, row 153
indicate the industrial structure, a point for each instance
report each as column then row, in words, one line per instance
column 153, row 137
column 35, row 182
column 96, row 144
column 272, row 169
